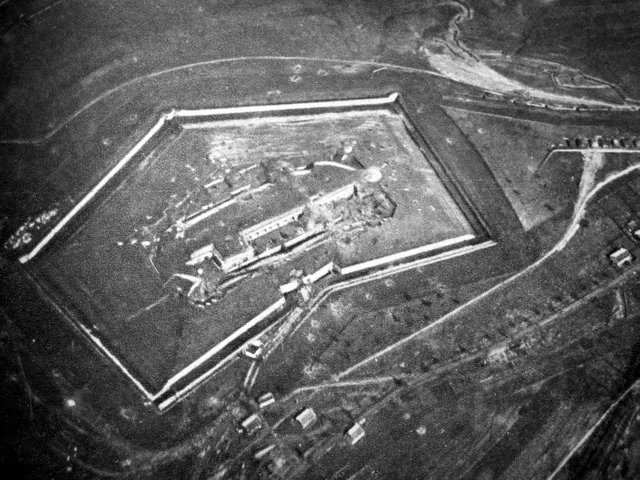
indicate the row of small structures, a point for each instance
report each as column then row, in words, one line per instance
column 273, row 455
column 305, row 418
column 599, row 142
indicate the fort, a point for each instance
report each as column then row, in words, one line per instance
column 220, row 235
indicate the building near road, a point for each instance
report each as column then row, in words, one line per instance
column 306, row 417
column 621, row 258
column 266, row 400
column 251, row 424
column 355, row 433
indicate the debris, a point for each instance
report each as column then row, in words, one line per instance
column 619, row 311
column 305, row 293
column 345, row 151
column 314, row 370
column 306, row 417
column 278, row 467
column 499, row 355
column 25, row 234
